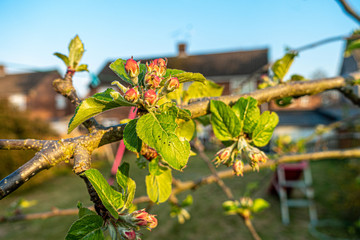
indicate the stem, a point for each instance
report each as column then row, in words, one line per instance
column 200, row 147
column 251, row 228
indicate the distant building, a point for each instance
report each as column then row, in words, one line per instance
column 33, row 93
column 233, row 70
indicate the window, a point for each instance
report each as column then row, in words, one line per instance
column 60, row 102
column 19, row 101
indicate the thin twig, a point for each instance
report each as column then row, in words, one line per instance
column 200, row 148
column 349, row 10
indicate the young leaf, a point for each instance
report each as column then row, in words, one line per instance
column 122, row 175
column 64, row 58
column 226, row 124
column 172, row 72
column 86, row 228
column 158, row 187
column 94, row 105
column 126, row 183
column 84, row 211
column 259, row 205
column 119, row 68
column 190, row 77
column 281, row 66
column 248, row 112
column 158, row 131
column 111, row 199
column 131, row 139
column 264, row 129
column 199, row 90
column 82, row 67
column 76, row 50
column 185, row 130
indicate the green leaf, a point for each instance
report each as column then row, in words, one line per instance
column 199, row 90
column 172, row 72
column 158, row 187
column 122, row 175
column 94, row 105
column 246, row 109
column 351, row 46
column 265, row 128
column 184, row 114
column 259, row 205
column 281, row 66
column 130, row 137
column 82, row 67
column 283, row 102
column 187, row 201
column 177, row 94
column 185, row 130
column 130, row 193
column 158, row 131
column 190, row 77
column 64, row 58
column 86, row 228
column 297, row 77
column 111, row 199
column 142, row 74
column 126, row 183
column 204, row 120
column 84, row 211
column 119, row 68
column 225, row 123
column 76, row 51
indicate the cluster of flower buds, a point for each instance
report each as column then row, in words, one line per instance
column 148, row 152
column 154, row 86
column 255, row 157
column 143, row 219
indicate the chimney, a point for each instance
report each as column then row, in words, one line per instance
column 182, row 50
column 2, row 71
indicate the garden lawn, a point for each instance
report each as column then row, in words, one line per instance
column 207, row 218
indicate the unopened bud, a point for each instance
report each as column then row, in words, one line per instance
column 150, row 97
column 238, row 168
column 161, row 63
column 144, row 219
column 128, row 234
column 133, row 70
column 132, row 95
column 172, row 84
column 152, row 81
column 223, row 155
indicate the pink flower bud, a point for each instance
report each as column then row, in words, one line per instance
column 238, row 168
column 172, row 84
column 258, row 157
column 132, row 68
column 224, row 154
column 129, row 234
column 143, row 218
column 152, row 81
column 150, row 97
column 161, row 63
column 132, row 95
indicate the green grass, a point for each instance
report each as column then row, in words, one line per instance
column 334, row 200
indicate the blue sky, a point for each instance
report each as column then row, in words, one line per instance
column 31, row 31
